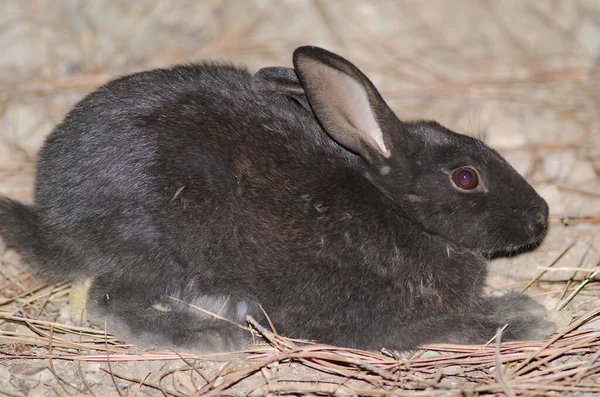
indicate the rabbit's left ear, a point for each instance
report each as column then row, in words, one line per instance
column 346, row 103
column 280, row 80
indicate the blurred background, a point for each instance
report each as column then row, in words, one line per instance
column 523, row 75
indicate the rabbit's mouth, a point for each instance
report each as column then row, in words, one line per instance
column 529, row 228
column 511, row 249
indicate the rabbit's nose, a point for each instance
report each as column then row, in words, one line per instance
column 541, row 213
column 538, row 220
column 536, row 213
column 535, row 218
column 538, row 227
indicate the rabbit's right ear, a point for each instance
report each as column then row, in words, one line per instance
column 280, row 80
column 346, row 103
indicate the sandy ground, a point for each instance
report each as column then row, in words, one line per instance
column 523, row 75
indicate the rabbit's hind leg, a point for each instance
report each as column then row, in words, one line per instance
column 140, row 314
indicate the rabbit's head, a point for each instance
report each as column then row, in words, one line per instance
column 454, row 185
column 458, row 187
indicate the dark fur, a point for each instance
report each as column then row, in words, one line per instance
column 201, row 183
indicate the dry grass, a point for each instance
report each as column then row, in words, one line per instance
column 568, row 362
column 523, row 75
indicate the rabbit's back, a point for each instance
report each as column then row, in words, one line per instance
column 188, row 159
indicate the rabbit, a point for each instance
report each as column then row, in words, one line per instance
column 199, row 195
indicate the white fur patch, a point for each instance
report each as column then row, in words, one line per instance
column 378, row 138
column 222, row 306
column 163, row 307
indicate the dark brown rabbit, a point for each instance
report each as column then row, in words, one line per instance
column 295, row 189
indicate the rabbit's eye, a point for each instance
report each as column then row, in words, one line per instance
column 465, row 178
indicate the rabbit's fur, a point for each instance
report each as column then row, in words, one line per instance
column 297, row 190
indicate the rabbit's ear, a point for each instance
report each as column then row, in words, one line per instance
column 282, row 81
column 277, row 79
column 347, row 104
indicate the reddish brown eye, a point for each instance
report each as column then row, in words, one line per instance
column 465, row 178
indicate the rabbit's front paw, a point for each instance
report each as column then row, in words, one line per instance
column 525, row 319
column 513, row 304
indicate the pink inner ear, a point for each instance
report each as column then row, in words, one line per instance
column 350, row 98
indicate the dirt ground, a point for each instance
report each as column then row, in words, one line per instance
column 522, row 75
